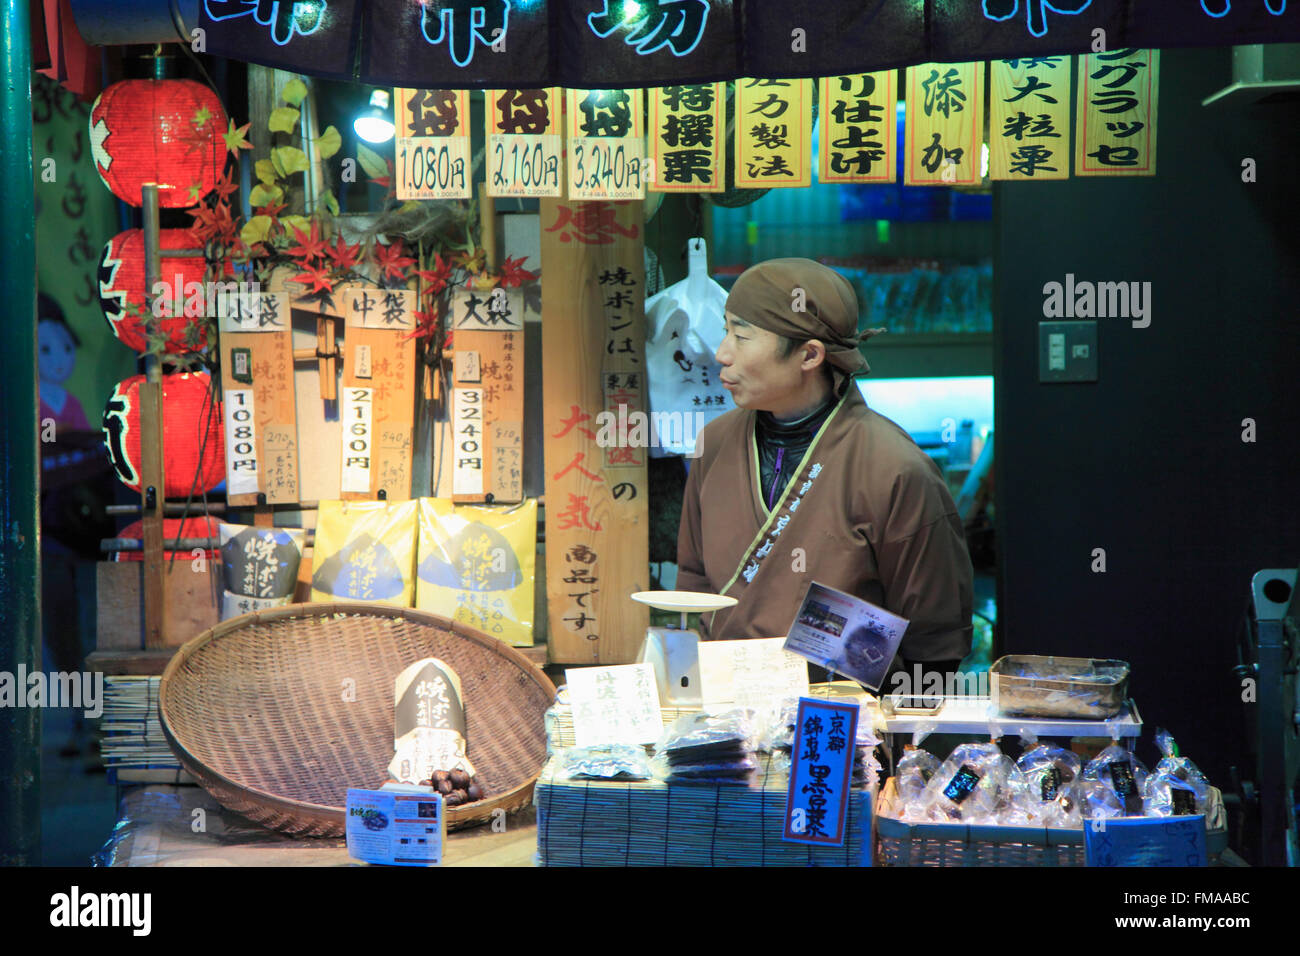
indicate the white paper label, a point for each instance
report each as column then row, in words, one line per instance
column 241, row 443
column 467, row 424
column 615, row 705
column 466, row 365
column 240, row 309
column 500, row 310
column 357, row 439
column 525, row 164
column 363, row 361
column 751, row 673
column 395, row 827
column 433, row 167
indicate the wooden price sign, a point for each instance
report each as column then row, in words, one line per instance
column 1029, row 125
column 773, row 133
column 256, row 334
column 857, row 140
column 525, row 149
column 945, row 124
column 606, row 144
column 488, row 395
column 687, row 126
column 432, row 144
column 1116, row 126
column 377, row 407
column 593, row 332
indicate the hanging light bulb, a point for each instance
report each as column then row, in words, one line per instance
column 375, row 122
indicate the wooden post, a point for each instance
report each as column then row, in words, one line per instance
column 152, row 486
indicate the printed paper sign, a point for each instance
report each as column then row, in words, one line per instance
column 382, row 309
column 606, row 144
column 525, row 151
column 467, row 423
column 241, row 443
column 749, row 673
column 401, row 827
column 242, row 310
column 615, row 705
column 1154, row 841
column 432, row 144
column 500, row 310
column 817, row 803
column 358, row 439
column 846, row 635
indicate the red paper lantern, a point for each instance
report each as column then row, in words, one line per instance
column 193, row 435
column 173, row 528
column 168, row 132
column 121, row 291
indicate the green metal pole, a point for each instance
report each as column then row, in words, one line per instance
column 20, row 532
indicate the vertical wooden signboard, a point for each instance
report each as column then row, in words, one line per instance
column 593, row 351
column 258, row 395
column 1119, row 96
column 1029, row 118
column 857, row 129
column 377, row 407
column 488, row 395
column 944, row 125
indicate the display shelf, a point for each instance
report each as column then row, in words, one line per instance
column 975, row 715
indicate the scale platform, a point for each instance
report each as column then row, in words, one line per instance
column 975, row 715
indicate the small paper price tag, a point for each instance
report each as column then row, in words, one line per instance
column 615, row 705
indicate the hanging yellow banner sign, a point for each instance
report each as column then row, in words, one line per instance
column 1116, row 125
column 525, row 149
column 1029, row 122
column 773, row 133
column 432, row 148
column 606, row 144
column 687, row 125
column 945, row 124
column 857, row 139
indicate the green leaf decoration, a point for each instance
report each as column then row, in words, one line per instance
column 263, row 194
column 291, row 159
column 283, row 119
column 329, row 142
column 331, row 203
column 255, row 229
column 290, row 223
column 294, row 92
column 265, row 171
column 371, row 161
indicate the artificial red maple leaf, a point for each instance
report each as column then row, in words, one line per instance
column 224, row 187
column 426, row 324
column 317, row 277
column 514, row 274
column 342, row 255
column 471, row 264
column 390, row 260
column 309, row 247
column 437, row 279
column 204, row 226
column 272, row 209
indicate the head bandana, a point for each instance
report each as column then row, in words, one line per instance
column 764, row 296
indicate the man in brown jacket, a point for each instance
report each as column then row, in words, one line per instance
column 803, row 482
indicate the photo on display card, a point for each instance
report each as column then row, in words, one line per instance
column 847, row 635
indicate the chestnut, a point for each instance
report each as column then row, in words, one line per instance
column 460, row 779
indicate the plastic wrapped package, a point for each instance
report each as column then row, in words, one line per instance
column 604, row 762
column 969, row 785
column 1048, row 788
column 1176, row 787
column 916, row 768
column 707, row 747
column 1120, row 771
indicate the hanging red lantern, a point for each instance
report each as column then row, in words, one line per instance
column 173, row 528
column 194, row 442
column 122, row 292
column 167, row 132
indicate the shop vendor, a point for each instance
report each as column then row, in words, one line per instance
column 803, row 482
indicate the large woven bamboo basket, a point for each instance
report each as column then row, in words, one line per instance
column 278, row 712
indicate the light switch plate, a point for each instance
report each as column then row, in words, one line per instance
column 1067, row 351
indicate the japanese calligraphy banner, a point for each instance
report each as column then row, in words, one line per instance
column 601, row 44
column 488, row 376
column 606, row 144
column 378, row 392
column 945, row 124
column 687, row 124
column 256, row 337
column 821, row 771
column 455, row 43
column 1029, row 129
column 525, row 145
column 773, row 133
column 433, row 139
column 856, row 141
column 593, row 330
column 1119, row 93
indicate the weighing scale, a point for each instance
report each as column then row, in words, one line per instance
column 675, row 651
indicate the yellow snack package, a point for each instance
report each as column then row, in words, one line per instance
column 476, row 566
column 365, row 551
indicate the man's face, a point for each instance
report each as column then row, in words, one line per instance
column 753, row 370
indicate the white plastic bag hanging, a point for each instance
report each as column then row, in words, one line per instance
column 684, row 328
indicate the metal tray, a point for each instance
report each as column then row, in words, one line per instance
column 1081, row 688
